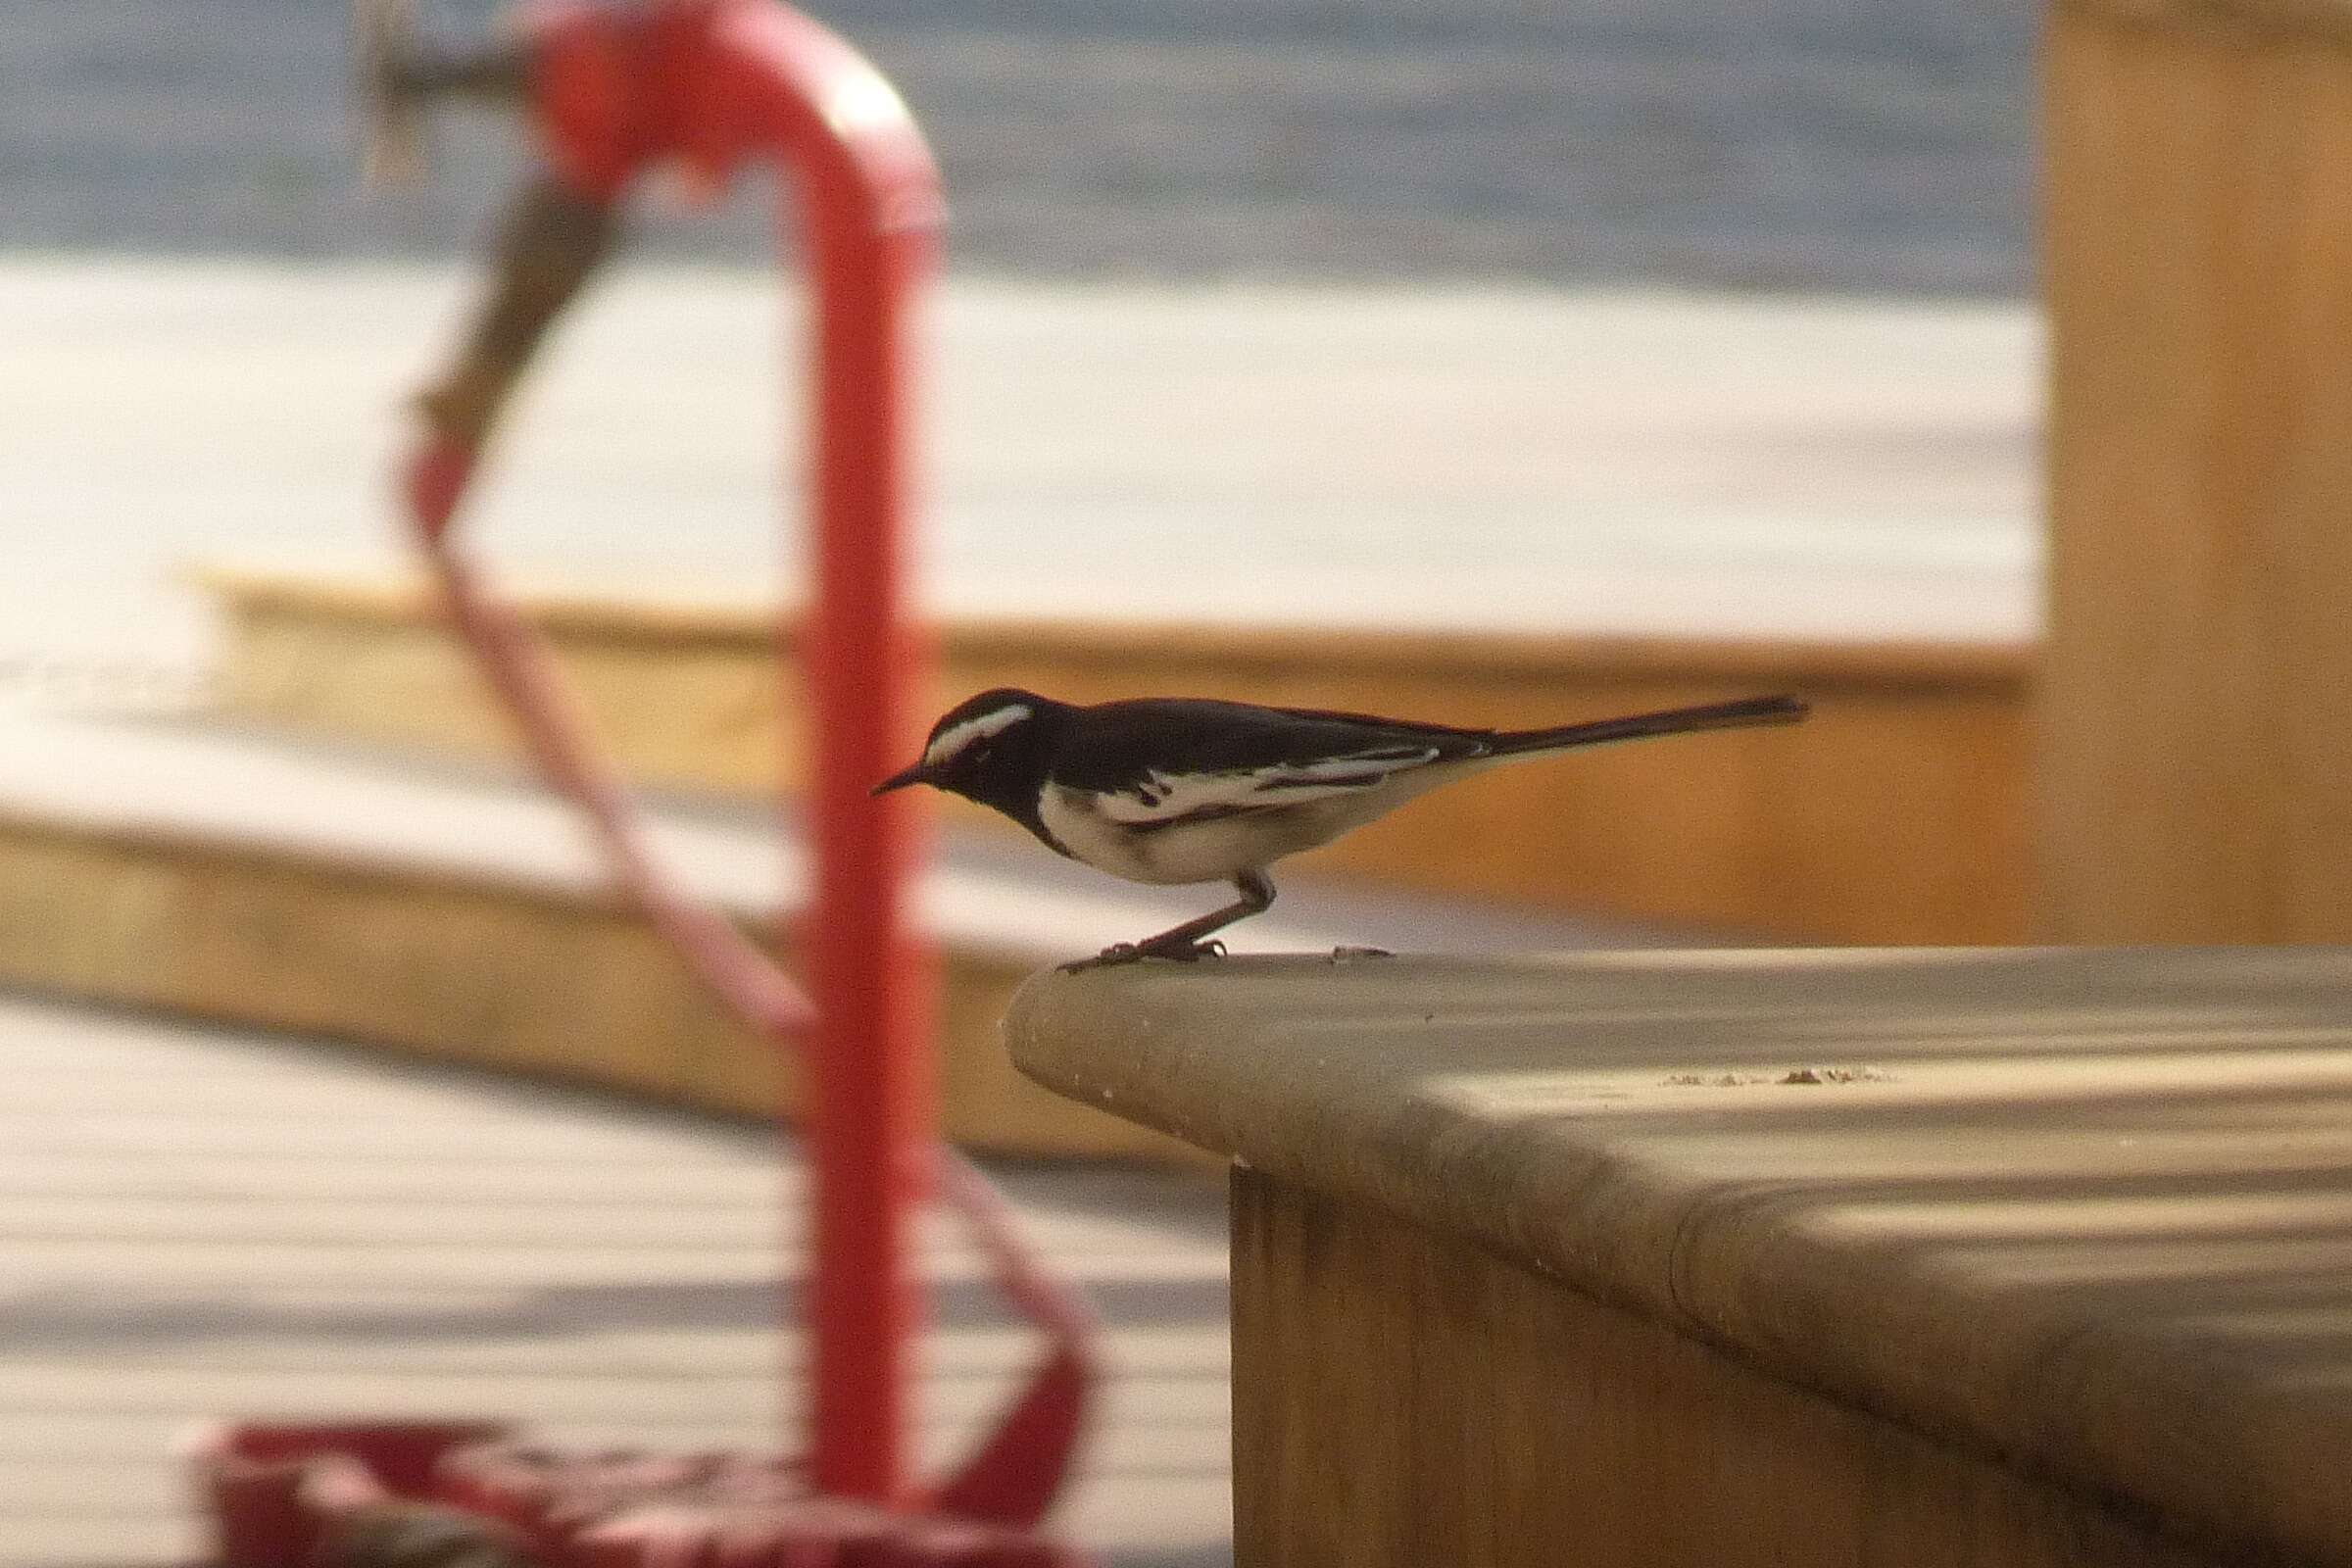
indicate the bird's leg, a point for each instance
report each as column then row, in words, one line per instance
column 1182, row 944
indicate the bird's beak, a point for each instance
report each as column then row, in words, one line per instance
column 917, row 774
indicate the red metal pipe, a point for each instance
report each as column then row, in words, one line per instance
column 713, row 83
column 870, row 1067
column 717, row 83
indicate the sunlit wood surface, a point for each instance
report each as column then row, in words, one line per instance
column 1597, row 462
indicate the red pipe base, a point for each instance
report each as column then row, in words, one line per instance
column 302, row 1495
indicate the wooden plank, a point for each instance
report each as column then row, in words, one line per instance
column 2199, row 266
column 1899, row 815
column 516, row 979
column 752, row 630
column 1403, row 1398
column 2327, row 22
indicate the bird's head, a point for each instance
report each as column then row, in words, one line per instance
column 984, row 748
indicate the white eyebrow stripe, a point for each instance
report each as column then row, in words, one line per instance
column 977, row 728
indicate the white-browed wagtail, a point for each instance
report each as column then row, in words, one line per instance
column 1178, row 789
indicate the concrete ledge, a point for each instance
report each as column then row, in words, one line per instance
column 2082, row 1215
column 1899, row 815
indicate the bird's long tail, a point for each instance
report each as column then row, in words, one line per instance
column 1746, row 711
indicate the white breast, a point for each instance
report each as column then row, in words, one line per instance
column 1214, row 849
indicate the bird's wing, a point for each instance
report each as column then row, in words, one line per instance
column 1167, row 797
column 1247, row 759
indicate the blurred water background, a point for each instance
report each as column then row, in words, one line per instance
column 1812, row 144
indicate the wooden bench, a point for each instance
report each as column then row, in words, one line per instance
column 1937, row 1257
column 1899, row 813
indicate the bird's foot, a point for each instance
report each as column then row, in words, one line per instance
column 1119, row 953
column 1350, row 955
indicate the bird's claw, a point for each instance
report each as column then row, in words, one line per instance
column 1119, row 953
column 1347, row 954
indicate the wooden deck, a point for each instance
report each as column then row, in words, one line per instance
column 197, row 1224
column 1601, row 463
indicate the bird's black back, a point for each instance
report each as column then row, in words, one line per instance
column 1121, row 744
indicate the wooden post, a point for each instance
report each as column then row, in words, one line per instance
column 2196, row 712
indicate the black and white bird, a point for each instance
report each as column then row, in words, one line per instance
column 1181, row 790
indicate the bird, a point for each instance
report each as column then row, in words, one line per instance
column 1182, row 790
